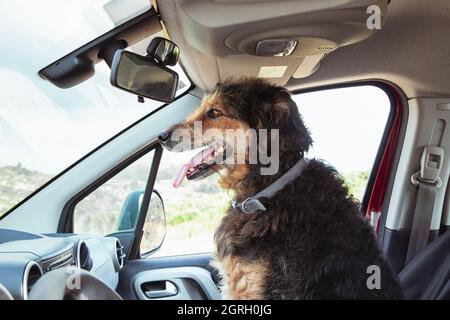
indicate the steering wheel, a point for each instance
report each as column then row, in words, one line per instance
column 4, row 293
column 60, row 284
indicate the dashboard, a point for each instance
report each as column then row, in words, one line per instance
column 26, row 257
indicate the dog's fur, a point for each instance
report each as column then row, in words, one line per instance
column 312, row 242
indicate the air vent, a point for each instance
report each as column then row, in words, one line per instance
column 64, row 259
column 83, row 256
column 31, row 275
column 120, row 254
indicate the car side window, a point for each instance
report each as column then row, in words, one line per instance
column 193, row 210
column 107, row 209
column 346, row 124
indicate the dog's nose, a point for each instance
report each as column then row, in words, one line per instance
column 164, row 136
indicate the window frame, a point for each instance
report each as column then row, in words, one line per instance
column 65, row 224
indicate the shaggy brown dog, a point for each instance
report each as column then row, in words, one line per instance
column 311, row 242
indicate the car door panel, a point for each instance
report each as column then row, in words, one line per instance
column 153, row 279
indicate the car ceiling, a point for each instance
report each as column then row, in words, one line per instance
column 411, row 50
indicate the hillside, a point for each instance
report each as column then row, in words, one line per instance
column 16, row 183
column 193, row 211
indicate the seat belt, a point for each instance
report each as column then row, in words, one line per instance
column 427, row 180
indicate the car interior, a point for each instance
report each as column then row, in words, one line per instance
column 401, row 46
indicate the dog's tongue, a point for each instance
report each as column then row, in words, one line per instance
column 204, row 156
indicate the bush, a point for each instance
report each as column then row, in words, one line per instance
column 356, row 183
column 207, row 187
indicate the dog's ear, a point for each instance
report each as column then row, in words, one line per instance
column 283, row 114
column 296, row 125
column 276, row 112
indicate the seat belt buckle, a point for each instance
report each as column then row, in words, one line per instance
column 430, row 166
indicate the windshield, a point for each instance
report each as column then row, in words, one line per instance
column 43, row 129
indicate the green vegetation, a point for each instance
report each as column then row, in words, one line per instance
column 195, row 208
column 193, row 211
column 356, row 182
column 194, row 201
column 16, row 183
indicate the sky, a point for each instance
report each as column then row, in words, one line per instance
column 46, row 128
column 346, row 124
column 43, row 127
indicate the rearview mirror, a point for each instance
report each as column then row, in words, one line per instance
column 164, row 51
column 143, row 76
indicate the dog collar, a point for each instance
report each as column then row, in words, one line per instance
column 253, row 204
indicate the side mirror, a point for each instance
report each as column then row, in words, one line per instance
column 154, row 229
column 143, row 76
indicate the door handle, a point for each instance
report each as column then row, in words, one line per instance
column 162, row 290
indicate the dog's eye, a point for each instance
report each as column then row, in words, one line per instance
column 213, row 113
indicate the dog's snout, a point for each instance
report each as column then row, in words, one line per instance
column 164, row 136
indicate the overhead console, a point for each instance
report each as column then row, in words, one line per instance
column 291, row 35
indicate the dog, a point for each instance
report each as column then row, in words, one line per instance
column 308, row 240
